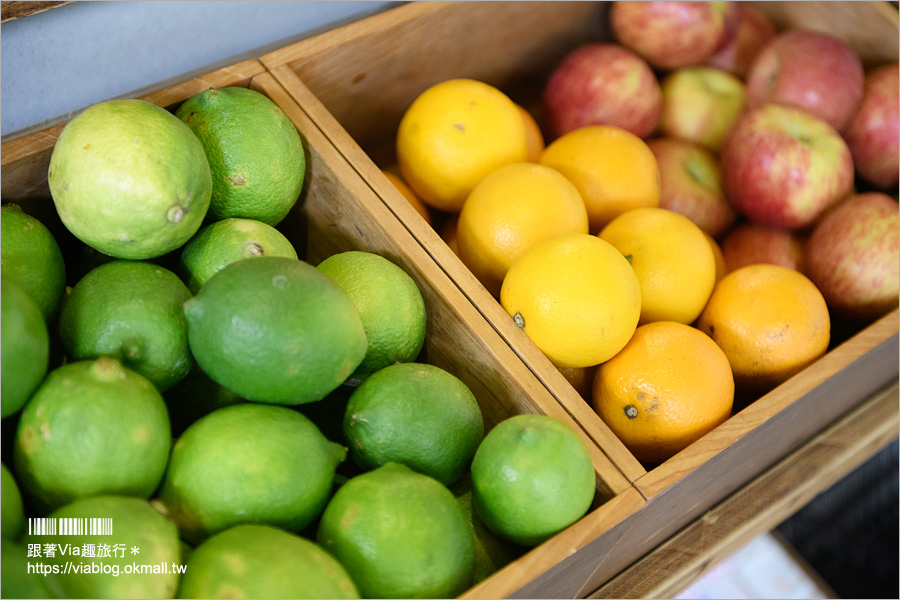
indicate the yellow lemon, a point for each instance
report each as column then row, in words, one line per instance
column 455, row 133
column 672, row 259
column 575, row 296
column 511, row 209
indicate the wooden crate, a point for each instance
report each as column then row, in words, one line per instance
column 338, row 212
column 356, row 82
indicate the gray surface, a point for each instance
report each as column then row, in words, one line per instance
column 65, row 59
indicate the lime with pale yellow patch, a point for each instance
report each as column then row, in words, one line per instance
column 249, row 463
column 255, row 153
column 129, row 179
column 260, row 561
column 92, row 427
column 223, row 242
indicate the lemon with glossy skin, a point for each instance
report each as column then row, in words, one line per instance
column 129, row 179
column 672, row 258
column 510, row 210
column 613, row 169
column 453, row 135
column 575, row 296
column 256, row 155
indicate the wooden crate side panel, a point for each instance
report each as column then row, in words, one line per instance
column 870, row 28
column 588, row 547
column 414, row 46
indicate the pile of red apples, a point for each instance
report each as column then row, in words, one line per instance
column 777, row 143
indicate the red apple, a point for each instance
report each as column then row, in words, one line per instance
column 602, row 84
column 701, row 104
column 691, row 184
column 853, row 255
column 873, row 134
column 809, row 70
column 754, row 29
column 751, row 243
column 673, row 34
column 782, row 166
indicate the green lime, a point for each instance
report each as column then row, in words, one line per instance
column 137, row 560
column 194, row 397
column 32, row 259
column 12, row 509
column 532, row 477
column 415, row 414
column 131, row 310
column 17, row 580
column 25, row 347
column 92, row 427
column 276, row 330
column 389, row 303
column 399, row 534
column 130, row 179
column 249, row 463
column 259, row 561
column 492, row 552
column 255, row 153
column 224, row 242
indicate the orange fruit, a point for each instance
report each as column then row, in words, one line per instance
column 511, row 209
column 410, row 195
column 581, row 378
column 672, row 259
column 668, row 387
column 533, row 136
column 575, row 296
column 770, row 320
column 452, row 135
column 613, row 169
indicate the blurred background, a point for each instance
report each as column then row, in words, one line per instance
column 74, row 54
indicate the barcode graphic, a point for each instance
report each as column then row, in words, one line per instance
column 70, row 526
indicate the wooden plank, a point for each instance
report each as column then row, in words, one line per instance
column 762, row 504
column 9, row 11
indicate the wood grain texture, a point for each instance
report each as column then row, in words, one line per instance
column 10, row 11
column 762, row 504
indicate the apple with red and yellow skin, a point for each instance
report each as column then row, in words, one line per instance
column 691, row 184
column 873, row 133
column 602, row 84
column 853, row 256
column 701, row 104
column 673, row 34
column 782, row 166
column 754, row 29
column 751, row 243
column 810, row 70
